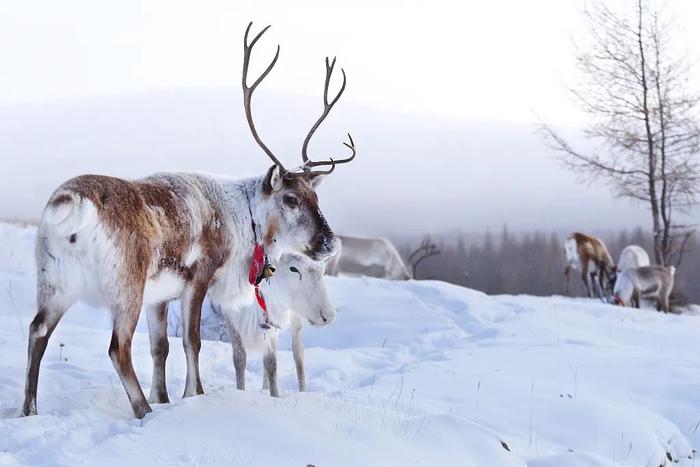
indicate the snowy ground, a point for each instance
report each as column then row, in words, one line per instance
column 410, row 374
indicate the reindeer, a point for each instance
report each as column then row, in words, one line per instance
column 589, row 255
column 633, row 256
column 295, row 295
column 126, row 244
column 374, row 257
column 645, row 282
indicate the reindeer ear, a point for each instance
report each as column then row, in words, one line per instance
column 273, row 180
column 315, row 180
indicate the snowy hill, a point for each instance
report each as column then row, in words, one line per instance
column 410, row 374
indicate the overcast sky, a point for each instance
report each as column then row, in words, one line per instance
column 496, row 59
column 461, row 62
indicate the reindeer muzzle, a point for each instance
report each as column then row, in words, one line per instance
column 324, row 246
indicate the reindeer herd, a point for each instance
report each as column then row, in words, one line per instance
column 258, row 247
column 632, row 279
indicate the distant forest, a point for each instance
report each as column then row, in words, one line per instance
column 533, row 263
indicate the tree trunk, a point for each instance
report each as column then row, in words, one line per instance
column 653, row 201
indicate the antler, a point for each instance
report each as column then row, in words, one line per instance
column 248, row 90
column 327, row 106
column 427, row 249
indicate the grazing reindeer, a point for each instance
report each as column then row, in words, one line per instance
column 633, row 256
column 374, row 257
column 294, row 296
column 589, row 255
column 645, row 282
column 127, row 244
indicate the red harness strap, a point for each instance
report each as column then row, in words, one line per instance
column 257, row 263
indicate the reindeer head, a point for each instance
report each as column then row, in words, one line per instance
column 293, row 219
column 298, row 285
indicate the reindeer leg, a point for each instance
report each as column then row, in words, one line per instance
column 594, row 285
column 664, row 299
column 192, row 299
column 266, row 381
column 584, row 277
column 270, row 364
column 602, row 277
column 158, row 329
column 567, row 279
column 239, row 354
column 298, row 353
column 590, row 284
column 50, row 311
column 125, row 317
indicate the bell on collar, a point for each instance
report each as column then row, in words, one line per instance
column 268, row 271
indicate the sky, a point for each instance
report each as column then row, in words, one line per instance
column 425, row 70
column 499, row 59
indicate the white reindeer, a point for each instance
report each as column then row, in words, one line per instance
column 651, row 282
column 376, row 257
column 294, row 296
column 633, row 256
column 127, row 244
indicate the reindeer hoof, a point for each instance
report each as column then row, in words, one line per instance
column 193, row 392
column 29, row 409
column 141, row 410
column 160, row 397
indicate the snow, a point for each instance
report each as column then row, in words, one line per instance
column 410, row 373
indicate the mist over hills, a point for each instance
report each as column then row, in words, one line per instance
column 412, row 175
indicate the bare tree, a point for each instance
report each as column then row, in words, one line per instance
column 425, row 250
column 636, row 90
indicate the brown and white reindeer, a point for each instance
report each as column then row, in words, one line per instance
column 126, row 244
column 588, row 254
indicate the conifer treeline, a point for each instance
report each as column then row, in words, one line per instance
column 532, row 263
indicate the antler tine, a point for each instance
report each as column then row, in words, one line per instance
column 426, row 249
column 350, row 146
column 248, row 90
column 416, row 252
column 327, row 106
column 332, row 161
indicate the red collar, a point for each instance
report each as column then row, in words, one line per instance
column 257, row 264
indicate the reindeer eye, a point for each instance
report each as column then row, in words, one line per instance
column 293, row 269
column 291, row 201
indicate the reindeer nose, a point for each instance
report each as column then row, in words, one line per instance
column 325, row 244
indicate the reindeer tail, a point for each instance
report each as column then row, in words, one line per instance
column 68, row 212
